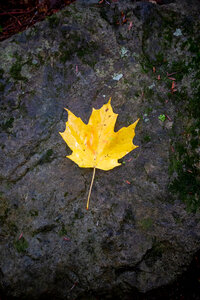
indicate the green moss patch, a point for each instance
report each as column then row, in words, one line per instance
column 2, row 87
column 62, row 231
column 7, row 124
column 1, row 73
column 21, row 245
column 187, row 183
column 146, row 223
column 146, row 138
column 15, row 70
column 78, row 46
column 33, row 213
column 184, row 160
column 47, row 157
column 53, row 21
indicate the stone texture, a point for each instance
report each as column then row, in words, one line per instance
column 135, row 236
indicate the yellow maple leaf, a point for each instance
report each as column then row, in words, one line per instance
column 96, row 145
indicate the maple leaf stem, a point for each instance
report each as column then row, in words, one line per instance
column 91, row 184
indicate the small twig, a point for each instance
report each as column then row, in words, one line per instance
column 18, row 21
column 88, row 200
column 73, row 286
column 171, row 74
column 17, row 12
column 29, row 23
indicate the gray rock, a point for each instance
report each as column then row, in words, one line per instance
column 142, row 228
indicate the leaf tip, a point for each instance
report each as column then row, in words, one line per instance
column 135, row 123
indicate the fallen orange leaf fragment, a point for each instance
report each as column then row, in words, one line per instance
column 21, row 235
column 173, row 88
column 168, row 117
column 130, row 25
column 96, row 145
column 124, row 20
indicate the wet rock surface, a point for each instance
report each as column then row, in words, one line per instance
column 142, row 228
